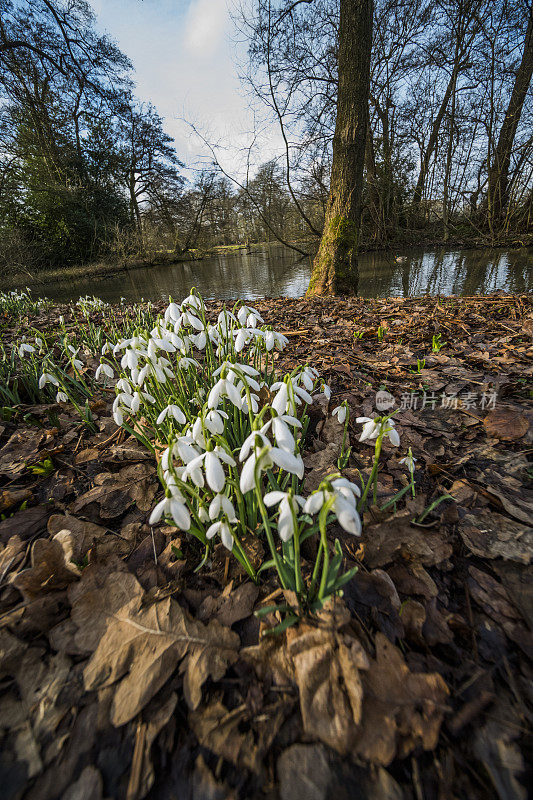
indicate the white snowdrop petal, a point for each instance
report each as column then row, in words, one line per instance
column 214, row 472
column 158, row 512
column 226, row 536
column 272, row 498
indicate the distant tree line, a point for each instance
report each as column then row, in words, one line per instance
column 87, row 170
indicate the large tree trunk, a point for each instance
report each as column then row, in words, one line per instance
column 335, row 266
column 498, row 185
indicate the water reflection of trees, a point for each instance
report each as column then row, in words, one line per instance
column 461, row 272
column 278, row 272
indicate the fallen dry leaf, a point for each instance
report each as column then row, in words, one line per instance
column 141, row 647
column 327, row 668
column 49, row 570
column 491, row 535
column 506, row 424
column 401, row 709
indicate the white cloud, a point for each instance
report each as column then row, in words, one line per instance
column 206, row 27
column 184, row 62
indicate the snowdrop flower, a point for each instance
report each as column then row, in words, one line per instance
column 175, row 412
column 249, row 317
column 136, row 401
column 273, row 339
column 223, row 529
column 254, row 403
column 130, row 359
column 342, row 495
column 174, row 507
column 372, row 428
column 222, row 504
column 288, row 509
column 61, row 397
column 47, row 378
column 327, row 391
column 244, row 335
column 281, row 400
column 25, row 348
column 308, row 377
column 409, row 460
column 214, row 421
column 299, row 392
column 340, row 413
column 265, row 456
column 224, row 387
column 184, row 447
column 193, row 301
column 281, row 431
column 188, row 320
column 104, row 369
column 199, row 340
column 223, row 321
column 214, row 471
column 172, row 312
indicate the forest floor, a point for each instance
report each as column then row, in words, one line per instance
column 416, row 684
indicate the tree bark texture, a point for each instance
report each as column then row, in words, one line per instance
column 335, row 266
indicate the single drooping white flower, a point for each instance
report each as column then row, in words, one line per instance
column 308, row 377
column 173, row 411
column 193, row 301
column 172, row 506
column 220, row 504
column 224, row 530
column 104, row 369
column 327, row 391
column 340, row 412
column 409, row 460
column 273, row 339
column 45, row 378
column 295, row 393
column 372, row 428
column 288, row 507
column 212, row 461
column 264, row 456
column 25, row 348
column 61, row 397
column 281, row 431
column 224, row 387
column 342, row 493
column 249, row 317
column 214, row 421
column 254, row 402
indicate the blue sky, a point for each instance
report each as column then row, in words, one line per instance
column 184, row 53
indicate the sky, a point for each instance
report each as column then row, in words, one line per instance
column 185, row 55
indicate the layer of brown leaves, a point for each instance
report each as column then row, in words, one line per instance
column 124, row 674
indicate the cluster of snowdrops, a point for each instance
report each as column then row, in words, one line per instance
column 228, row 432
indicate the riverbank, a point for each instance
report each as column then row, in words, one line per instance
column 397, row 248
column 106, row 269
column 412, row 684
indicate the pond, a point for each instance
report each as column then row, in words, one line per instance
column 276, row 271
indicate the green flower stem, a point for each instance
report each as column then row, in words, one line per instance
column 373, row 475
column 241, row 556
column 268, row 532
